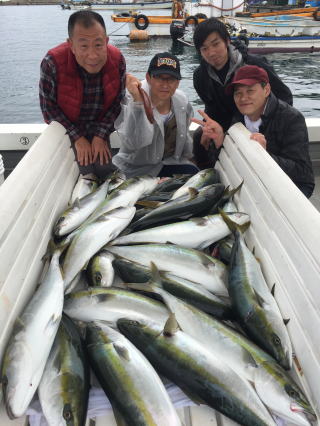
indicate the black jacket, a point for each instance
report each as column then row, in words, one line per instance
column 218, row 105
column 285, row 130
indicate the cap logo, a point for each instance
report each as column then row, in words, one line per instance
column 167, row 61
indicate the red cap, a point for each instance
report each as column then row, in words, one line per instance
column 248, row 76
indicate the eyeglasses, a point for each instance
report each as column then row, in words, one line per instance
column 168, row 80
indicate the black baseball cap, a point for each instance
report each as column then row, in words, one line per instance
column 165, row 63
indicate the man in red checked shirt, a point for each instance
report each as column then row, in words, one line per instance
column 82, row 83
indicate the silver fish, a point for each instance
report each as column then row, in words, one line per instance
column 128, row 379
column 92, row 238
column 30, row 342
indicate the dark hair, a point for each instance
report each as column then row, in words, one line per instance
column 85, row 18
column 207, row 27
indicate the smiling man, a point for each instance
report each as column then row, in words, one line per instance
column 81, row 86
column 278, row 127
column 163, row 147
column 219, row 61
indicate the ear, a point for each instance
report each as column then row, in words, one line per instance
column 148, row 78
column 268, row 89
column 69, row 41
column 107, row 39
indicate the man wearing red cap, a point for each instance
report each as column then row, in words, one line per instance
column 276, row 126
column 220, row 59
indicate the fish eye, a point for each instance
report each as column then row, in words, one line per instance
column 60, row 220
column 4, row 380
column 276, row 340
column 98, row 277
column 67, row 413
column 291, row 392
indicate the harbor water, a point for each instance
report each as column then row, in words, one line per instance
column 28, row 32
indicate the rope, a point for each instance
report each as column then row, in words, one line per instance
column 220, row 8
column 117, row 29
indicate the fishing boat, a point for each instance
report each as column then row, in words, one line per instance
column 122, row 5
column 193, row 13
column 282, row 231
column 265, row 45
column 276, row 26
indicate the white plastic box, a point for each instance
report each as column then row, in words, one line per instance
column 285, row 231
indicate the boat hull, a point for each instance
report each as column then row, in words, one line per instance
column 275, row 28
column 126, row 5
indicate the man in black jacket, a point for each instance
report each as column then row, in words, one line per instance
column 278, row 127
column 219, row 61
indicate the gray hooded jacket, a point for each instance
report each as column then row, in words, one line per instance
column 142, row 143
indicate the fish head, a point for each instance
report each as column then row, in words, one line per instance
column 18, row 390
column 279, row 338
column 139, row 330
column 281, row 394
column 73, row 412
column 59, row 226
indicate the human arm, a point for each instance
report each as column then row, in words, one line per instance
column 292, row 153
column 48, row 99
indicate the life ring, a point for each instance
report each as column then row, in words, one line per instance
column 191, row 20
column 141, row 22
column 316, row 14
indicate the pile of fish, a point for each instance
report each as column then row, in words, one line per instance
column 143, row 279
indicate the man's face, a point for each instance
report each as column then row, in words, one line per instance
column 251, row 100
column 162, row 86
column 89, row 47
column 214, row 50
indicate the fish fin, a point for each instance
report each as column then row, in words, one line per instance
column 53, row 320
column 286, row 320
column 51, row 247
column 148, row 203
column 77, row 203
column 147, row 287
column 235, row 190
column 122, row 351
column 193, row 192
column 199, row 221
column 155, row 275
column 273, row 289
column 233, row 226
column 259, row 299
column 171, row 326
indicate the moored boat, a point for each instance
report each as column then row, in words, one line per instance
column 122, row 5
column 276, row 26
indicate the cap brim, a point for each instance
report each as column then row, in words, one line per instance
column 245, row 82
column 169, row 72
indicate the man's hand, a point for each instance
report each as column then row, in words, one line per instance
column 259, row 137
column 84, row 153
column 100, row 149
column 210, row 130
column 132, row 84
column 205, row 141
